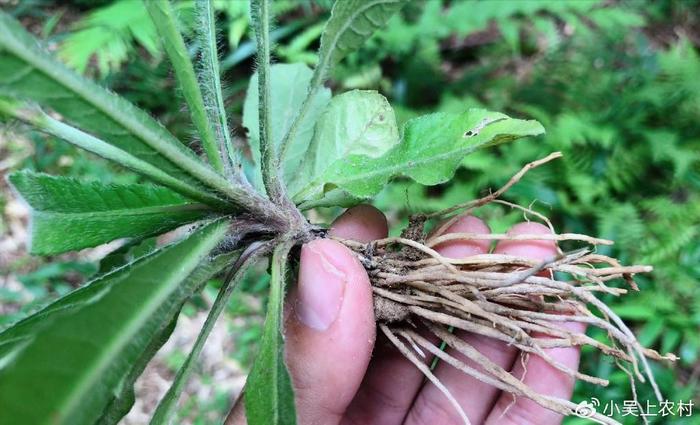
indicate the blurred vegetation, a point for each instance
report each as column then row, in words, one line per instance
column 615, row 83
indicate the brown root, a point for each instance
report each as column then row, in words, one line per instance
column 502, row 297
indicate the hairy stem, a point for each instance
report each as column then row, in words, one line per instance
column 260, row 10
column 210, row 79
column 165, row 21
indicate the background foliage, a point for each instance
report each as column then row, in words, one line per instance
column 614, row 83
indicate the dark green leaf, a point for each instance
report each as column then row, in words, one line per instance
column 68, row 214
column 27, row 72
column 166, row 407
column 127, row 253
column 122, row 403
column 64, row 364
column 269, row 396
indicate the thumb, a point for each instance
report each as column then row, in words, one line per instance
column 330, row 327
column 330, row 331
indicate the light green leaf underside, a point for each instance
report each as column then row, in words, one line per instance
column 289, row 86
column 28, row 72
column 61, row 366
column 430, row 151
column 358, row 122
column 68, row 214
column 269, row 397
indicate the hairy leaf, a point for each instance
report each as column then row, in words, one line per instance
column 27, row 72
column 210, row 79
column 163, row 17
column 260, row 17
column 68, row 214
column 122, row 402
column 127, row 253
column 430, row 151
column 289, row 83
column 269, row 397
column 31, row 115
column 351, row 23
column 168, row 403
column 63, row 364
column 354, row 123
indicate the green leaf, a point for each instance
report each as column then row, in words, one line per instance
column 168, row 403
column 165, row 21
column 430, row 151
column 108, row 35
column 354, row 123
column 68, row 214
column 28, row 72
column 210, row 78
column 269, row 397
column 351, row 23
column 122, row 403
column 64, row 364
column 46, row 123
column 261, row 17
column 289, row 83
column 127, row 253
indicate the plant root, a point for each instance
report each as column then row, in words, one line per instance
column 508, row 298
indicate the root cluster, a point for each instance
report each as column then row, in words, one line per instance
column 516, row 300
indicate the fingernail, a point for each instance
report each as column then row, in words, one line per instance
column 321, row 286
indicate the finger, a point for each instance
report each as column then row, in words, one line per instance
column 536, row 249
column 331, row 331
column 362, row 223
column 477, row 398
column 461, row 249
column 544, row 379
column 535, row 371
column 391, row 381
column 327, row 364
column 431, row 404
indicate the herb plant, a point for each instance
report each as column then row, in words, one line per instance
column 75, row 361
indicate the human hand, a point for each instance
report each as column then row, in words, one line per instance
column 343, row 376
